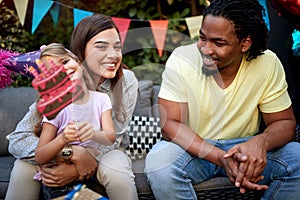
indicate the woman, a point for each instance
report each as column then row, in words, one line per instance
column 96, row 42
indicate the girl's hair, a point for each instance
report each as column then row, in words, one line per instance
column 85, row 30
column 55, row 50
column 247, row 17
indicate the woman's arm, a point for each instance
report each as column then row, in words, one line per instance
column 62, row 173
column 23, row 141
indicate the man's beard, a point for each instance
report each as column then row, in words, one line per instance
column 208, row 72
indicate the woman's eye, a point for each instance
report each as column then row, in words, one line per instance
column 101, row 47
column 118, row 47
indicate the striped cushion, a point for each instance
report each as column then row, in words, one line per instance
column 143, row 132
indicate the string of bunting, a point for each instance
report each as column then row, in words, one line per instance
column 158, row 27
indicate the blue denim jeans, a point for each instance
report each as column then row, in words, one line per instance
column 54, row 192
column 171, row 171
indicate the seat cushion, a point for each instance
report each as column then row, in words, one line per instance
column 13, row 106
column 6, row 165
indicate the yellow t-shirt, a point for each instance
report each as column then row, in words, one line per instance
column 216, row 113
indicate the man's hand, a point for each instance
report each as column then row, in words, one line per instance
column 250, row 170
column 86, row 164
column 231, row 165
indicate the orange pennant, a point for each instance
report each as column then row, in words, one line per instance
column 159, row 30
column 123, row 25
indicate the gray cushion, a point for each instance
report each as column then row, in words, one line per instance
column 6, row 165
column 144, row 100
column 155, row 111
column 13, row 106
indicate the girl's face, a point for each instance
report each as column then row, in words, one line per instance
column 73, row 68
column 103, row 54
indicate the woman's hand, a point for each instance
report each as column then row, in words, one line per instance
column 60, row 174
column 55, row 175
column 86, row 164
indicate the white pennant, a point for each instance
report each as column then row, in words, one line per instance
column 194, row 25
column 21, row 7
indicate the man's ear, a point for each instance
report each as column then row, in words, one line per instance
column 246, row 44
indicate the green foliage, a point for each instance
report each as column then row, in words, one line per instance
column 13, row 37
column 11, row 31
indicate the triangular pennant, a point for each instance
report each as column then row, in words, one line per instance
column 21, row 7
column 266, row 17
column 159, row 30
column 80, row 14
column 40, row 8
column 54, row 11
column 194, row 25
column 123, row 25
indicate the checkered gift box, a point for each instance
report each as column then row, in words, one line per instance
column 143, row 132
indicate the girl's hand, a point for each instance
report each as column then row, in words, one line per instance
column 70, row 133
column 85, row 131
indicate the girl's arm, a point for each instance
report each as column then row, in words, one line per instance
column 108, row 134
column 49, row 144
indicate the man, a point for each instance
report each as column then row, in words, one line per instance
column 212, row 98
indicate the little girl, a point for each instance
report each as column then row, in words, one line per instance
column 86, row 122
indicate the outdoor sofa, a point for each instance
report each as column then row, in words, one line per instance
column 144, row 130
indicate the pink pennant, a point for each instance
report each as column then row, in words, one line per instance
column 159, row 30
column 123, row 26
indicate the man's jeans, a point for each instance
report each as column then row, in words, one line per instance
column 171, row 171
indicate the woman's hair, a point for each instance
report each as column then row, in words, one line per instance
column 85, row 30
column 247, row 17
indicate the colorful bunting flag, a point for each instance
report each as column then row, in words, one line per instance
column 79, row 15
column 158, row 27
column 21, row 7
column 194, row 25
column 40, row 8
column 159, row 30
column 266, row 17
column 123, row 26
column 54, row 11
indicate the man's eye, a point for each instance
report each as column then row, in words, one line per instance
column 219, row 44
